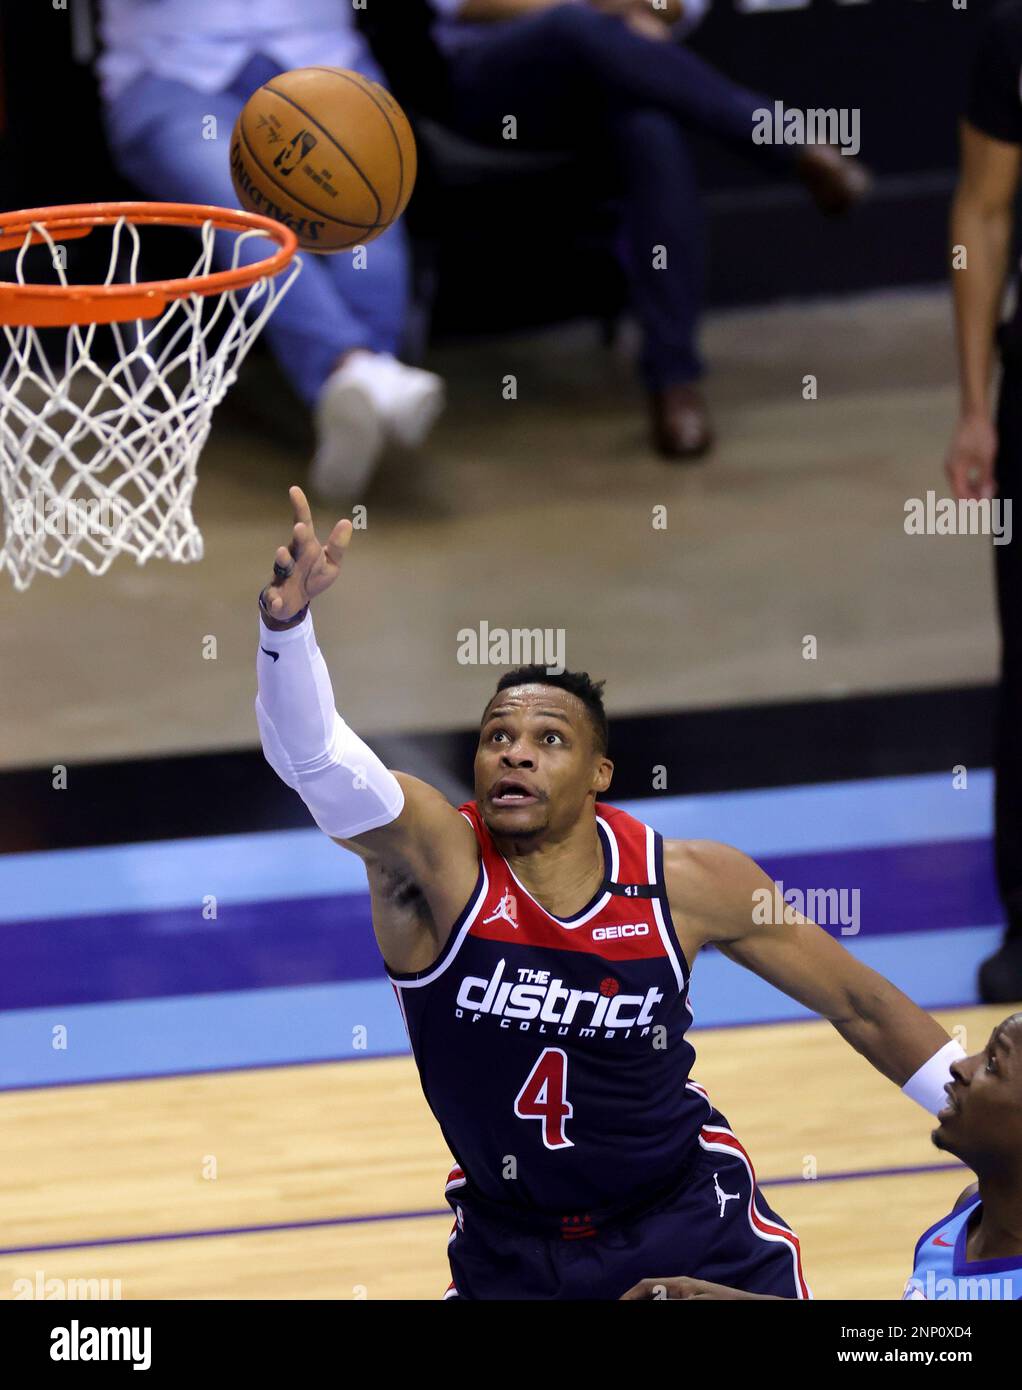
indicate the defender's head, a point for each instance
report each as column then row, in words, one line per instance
column 982, row 1121
column 542, row 752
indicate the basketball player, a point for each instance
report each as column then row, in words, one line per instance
column 975, row 1252
column 540, row 946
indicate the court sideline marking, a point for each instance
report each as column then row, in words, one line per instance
column 851, row 1175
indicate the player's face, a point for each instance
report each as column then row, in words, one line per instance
column 537, row 762
column 982, row 1121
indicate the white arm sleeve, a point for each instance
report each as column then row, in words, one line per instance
column 308, row 744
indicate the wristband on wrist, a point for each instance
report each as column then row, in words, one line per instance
column 926, row 1086
column 282, row 625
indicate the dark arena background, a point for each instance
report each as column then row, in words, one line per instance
column 206, row 1085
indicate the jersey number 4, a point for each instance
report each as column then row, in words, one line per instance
column 544, row 1097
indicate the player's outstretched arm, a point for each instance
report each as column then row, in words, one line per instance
column 723, row 892
column 397, row 820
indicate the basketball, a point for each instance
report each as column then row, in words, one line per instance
column 327, row 152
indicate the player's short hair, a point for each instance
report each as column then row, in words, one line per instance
column 578, row 683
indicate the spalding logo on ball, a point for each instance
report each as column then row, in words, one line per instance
column 328, row 153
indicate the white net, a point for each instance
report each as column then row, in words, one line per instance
column 99, row 460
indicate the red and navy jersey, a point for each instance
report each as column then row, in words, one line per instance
column 552, row 1050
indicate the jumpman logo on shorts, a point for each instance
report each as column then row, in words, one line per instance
column 723, row 1197
column 505, row 911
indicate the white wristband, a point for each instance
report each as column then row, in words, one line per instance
column 926, row 1086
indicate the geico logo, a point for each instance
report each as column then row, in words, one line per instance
column 626, row 929
column 552, row 1002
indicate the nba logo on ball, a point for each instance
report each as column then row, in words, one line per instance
column 292, row 155
column 328, row 153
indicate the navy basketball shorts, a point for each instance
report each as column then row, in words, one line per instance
column 715, row 1226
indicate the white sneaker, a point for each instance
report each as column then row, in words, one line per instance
column 349, row 440
column 409, row 399
column 368, row 402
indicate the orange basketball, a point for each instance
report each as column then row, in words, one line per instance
column 328, row 153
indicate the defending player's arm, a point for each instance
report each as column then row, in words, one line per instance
column 717, row 888
column 386, row 817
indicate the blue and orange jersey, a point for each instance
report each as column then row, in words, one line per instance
column 943, row 1270
column 553, row 1051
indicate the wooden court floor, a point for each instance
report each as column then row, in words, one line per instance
column 93, row 1170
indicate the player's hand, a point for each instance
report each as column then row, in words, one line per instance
column 309, row 566
column 655, row 1290
column 970, row 459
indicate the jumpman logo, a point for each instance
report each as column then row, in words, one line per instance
column 505, row 911
column 723, row 1197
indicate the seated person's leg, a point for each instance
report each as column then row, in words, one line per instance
column 576, row 62
column 574, row 57
column 377, row 287
column 662, row 226
column 369, row 390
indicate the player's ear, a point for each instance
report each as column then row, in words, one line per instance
column 602, row 775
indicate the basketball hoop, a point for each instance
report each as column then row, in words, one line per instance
column 98, row 461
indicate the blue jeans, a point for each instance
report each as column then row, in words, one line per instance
column 576, row 78
column 155, row 128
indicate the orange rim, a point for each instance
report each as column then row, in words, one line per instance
column 55, row 306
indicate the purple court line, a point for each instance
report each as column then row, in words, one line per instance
column 697, row 1027
column 851, row 1175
